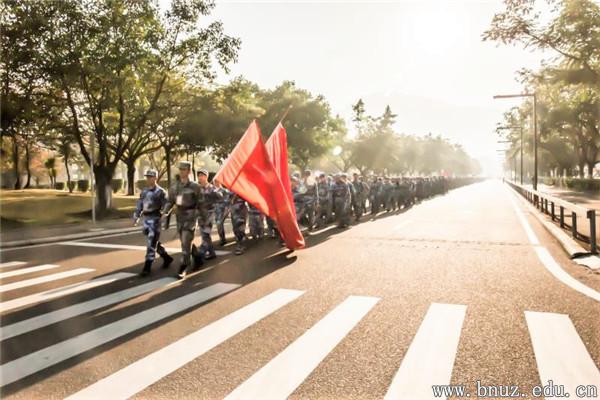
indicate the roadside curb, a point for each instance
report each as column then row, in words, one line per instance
column 63, row 238
column 573, row 249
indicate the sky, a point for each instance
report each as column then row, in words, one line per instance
column 424, row 58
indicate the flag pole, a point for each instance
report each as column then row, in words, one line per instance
column 285, row 114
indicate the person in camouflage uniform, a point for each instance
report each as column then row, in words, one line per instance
column 325, row 202
column 188, row 197
column 239, row 215
column 256, row 222
column 376, row 195
column 207, row 218
column 222, row 210
column 310, row 199
column 148, row 207
column 342, row 200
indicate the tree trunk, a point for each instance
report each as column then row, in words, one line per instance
column 27, row 166
column 103, row 178
column 591, row 165
column 130, row 177
column 16, row 163
column 68, row 175
column 581, row 165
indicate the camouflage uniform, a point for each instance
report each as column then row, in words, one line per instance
column 325, row 203
column 190, row 205
column 148, row 208
column 206, row 219
column 256, row 222
column 221, row 211
column 342, row 197
column 239, row 214
column 359, row 194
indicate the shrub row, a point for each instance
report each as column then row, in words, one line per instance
column 577, row 184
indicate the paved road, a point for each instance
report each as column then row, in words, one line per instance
column 461, row 288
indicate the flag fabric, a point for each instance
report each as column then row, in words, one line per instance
column 277, row 150
column 249, row 173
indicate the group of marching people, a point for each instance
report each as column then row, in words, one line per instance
column 323, row 199
column 318, row 200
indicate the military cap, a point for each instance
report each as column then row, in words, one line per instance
column 151, row 172
column 203, row 172
column 184, row 165
column 322, row 175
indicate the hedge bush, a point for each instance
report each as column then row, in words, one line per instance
column 116, row 184
column 577, row 184
column 59, row 186
column 83, row 185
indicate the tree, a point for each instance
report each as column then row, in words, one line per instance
column 110, row 61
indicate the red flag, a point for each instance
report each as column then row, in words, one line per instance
column 249, row 173
column 277, row 151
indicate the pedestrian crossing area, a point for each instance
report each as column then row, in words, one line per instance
column 560, row 353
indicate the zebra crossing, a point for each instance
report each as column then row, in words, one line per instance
column 560, row 353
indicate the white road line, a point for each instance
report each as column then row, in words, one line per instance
column 144, row 372
column 549, row 262
column 533, row 239
column 29, row 270
column 34, row 362
column 560, row 354
column 12, row 264
column 39, row 321
column 284, row 373
column 128, row 247
column 560, row 274
column 59, row 292
column 114, row 246
column 430, row 357
column 44, row 279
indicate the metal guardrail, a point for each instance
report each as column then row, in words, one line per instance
column 565, row 213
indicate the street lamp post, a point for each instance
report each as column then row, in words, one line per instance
column 535, row 140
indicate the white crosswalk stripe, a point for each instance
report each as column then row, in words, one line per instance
column 44, row 279
column 20, row 368
column 30, row 270
column 129, row 247
column 11, row 264
column 560, row 353
column 63, row 291
column 282, row 375
column 430, row 357
column 62, row 314
column 141, row 374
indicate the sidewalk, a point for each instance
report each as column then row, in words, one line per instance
column 34, row 235
column 584, row 199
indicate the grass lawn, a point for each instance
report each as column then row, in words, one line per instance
column 32, row 207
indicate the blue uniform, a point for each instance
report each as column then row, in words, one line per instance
column 148, row 208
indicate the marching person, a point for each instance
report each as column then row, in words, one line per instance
column 342, row 198
column 206, row 219
column 187, row 196
column 222, row 210
column 239, row 215
column 148, row 208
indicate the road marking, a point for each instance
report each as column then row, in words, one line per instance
column 284, row 373
column 114, row 246
column 533, row 239
column 560, row 274
column 550, row 263
column 12, row 264
column 560, row 354
column 34, row 362
column 129, row 247
column 144, row 372
column 24, row 271
column 430, row 356
column 44, row 279
column 54, row 293
column 62, row 314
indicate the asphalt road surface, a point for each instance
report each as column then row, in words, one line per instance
column 463, row 288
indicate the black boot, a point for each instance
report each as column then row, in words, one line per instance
column 167, row 259
column 197, row 258
column 146, row 269
column 182, row 271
